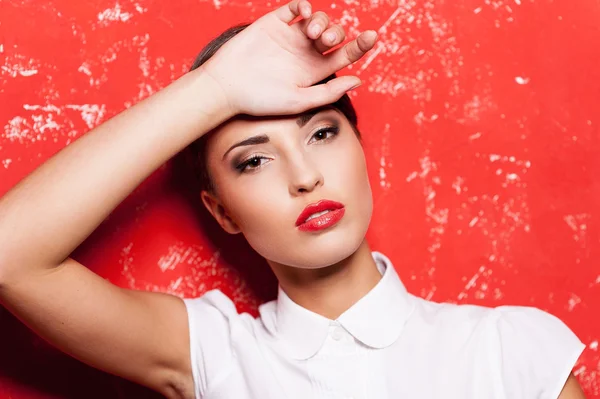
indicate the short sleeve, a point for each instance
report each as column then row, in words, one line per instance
column 538, row 352
column 209, row 319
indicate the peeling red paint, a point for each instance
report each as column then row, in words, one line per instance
column 480, row 126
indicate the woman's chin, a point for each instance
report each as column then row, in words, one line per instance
column 318, row 253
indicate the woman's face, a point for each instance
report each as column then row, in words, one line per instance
column 267, row 170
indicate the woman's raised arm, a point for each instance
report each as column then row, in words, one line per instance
column 140, row 336
column 144, row 336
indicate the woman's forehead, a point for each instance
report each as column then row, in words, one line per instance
column 245, row 125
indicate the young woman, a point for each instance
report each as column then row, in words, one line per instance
column 282, row 163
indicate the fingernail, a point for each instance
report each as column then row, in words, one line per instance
column 330, row 36
column 355, row 86
column 307, row 10
column 316, row 30
column 371, row 33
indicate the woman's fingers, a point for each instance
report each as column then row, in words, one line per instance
column 325, row 37
column 332, row 36
column 290, row 11
column 328, row 93
column 300, row 55
column 315, row 26
column 351, row 52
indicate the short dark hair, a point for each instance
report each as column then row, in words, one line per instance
column 196, row 151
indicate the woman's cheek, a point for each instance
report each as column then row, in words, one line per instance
column 260, row 201
column 345, row 165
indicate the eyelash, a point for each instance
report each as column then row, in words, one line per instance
column 245, row 165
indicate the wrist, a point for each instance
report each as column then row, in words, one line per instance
column 212, row 91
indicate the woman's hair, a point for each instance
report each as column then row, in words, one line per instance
column 196, row 151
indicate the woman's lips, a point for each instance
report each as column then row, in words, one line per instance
column 331, row 213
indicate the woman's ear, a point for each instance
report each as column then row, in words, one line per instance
column 214, row 206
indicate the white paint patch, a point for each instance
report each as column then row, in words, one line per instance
column 19, row 65
column 512, row 177
column 382, row 175
column 44, row 119
column 144, row 63
column 420, row 118
column 521, row 80
column 118, row 14
column 396, row 48
column 140, row 9
column 6, row 162
column 192, row 283
column 85, row 69
column 579, row 370
column 178, row 254
column 92, row 114
column 578, row 223
column 97, row 69
column 437, row 217
column 474, row 108
column 497, row 217
column 475, row 136
column 482, row 274
column 381, row 45
column 114, row 14
column 16, row 129
column 509, row 159
column 573, row 301
column 384, row 162
column 126, row 260
column 457, row 185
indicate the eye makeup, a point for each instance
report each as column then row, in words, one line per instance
column 248, row 163
column 324, row 134
column 252, row 163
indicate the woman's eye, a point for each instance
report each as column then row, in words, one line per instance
column 252, row 163
column 325, row 133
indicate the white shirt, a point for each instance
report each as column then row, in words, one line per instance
column 390, row 344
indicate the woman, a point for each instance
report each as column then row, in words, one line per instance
column 283, row 164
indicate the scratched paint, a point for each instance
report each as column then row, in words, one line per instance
column 479, row 122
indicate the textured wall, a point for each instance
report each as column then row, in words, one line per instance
column 480, row 121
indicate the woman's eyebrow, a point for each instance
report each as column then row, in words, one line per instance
column 305, row 118
column 308, row 115
column 259, row 139
column 263, row 138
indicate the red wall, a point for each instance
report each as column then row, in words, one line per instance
column 480, row 121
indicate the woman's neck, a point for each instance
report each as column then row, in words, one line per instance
column 331, row 290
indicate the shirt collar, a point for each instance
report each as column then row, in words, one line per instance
column 376, row 319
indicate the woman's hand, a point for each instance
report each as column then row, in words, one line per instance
column 271, row 66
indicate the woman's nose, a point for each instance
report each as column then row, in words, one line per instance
column 304, row 176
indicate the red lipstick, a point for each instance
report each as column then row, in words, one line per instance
column 320, row 215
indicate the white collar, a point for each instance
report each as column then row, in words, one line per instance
column 376, row 319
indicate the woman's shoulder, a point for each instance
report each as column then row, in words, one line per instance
column 533, row 334
column 516, row 323
column 506, row 318
column 216, row 307
column 533, row 350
